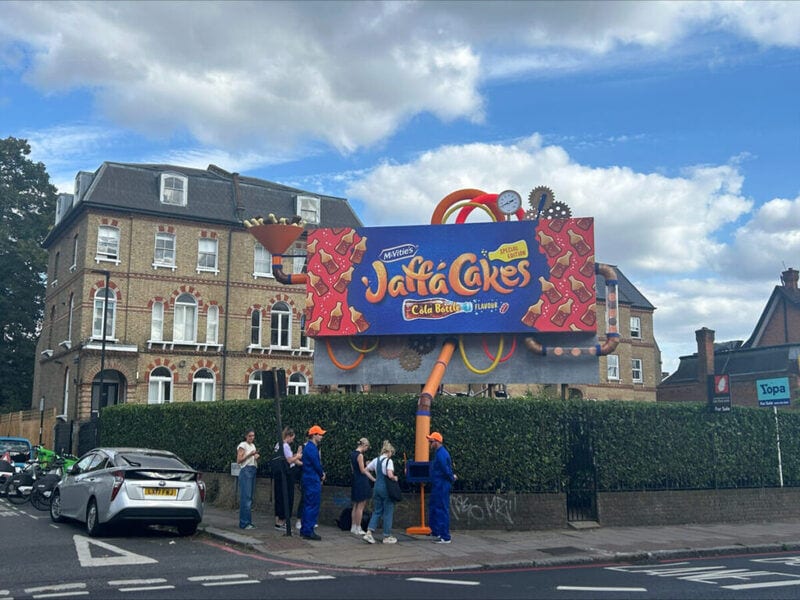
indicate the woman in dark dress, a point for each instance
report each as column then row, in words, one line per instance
column 362, row 490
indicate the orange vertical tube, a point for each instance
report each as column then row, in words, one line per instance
column 423, row 422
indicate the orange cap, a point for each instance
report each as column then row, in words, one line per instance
column 435, row 437
column 316, row 430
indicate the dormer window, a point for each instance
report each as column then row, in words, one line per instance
column 307, row 208
column 173, row 189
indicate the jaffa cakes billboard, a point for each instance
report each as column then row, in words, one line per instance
column 508, row 277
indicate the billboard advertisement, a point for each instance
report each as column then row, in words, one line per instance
column 481, row 278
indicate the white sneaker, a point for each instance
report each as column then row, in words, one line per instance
column 299, row 525
column 354, row 530
column 360, row 531
column 390, row 539
column 368, row 538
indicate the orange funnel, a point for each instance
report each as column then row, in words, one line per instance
column 276, row 238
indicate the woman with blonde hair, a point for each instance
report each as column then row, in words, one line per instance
column 383, row 506
column 361, row 490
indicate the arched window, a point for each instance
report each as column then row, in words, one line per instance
column 254, row 385
column 212, row 325
column 298, row 385
column 105, row 303
column 255, row 328
column 160, row 389
column 184, row 327
column 280, row 325
column 203, row 385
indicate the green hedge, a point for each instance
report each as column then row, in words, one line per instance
column 521, row 444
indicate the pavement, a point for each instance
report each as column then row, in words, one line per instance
column 480, row 549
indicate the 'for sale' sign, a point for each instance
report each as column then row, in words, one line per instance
column 773, row 392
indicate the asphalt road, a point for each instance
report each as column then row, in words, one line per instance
column 43, row 560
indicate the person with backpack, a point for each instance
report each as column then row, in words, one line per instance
column 383, row 506
column 361, row 489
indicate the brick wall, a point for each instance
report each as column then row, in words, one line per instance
column 523, row 512
column 697, row 506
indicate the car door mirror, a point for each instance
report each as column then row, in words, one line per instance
column 74, row 470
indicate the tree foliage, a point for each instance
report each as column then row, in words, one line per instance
column 27, row 205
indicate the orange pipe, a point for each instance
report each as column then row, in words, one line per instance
column 612, row 328
column 423, row 422
column 286, row 278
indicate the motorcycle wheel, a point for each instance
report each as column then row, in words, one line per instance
column 13, row 494
column 40, row 501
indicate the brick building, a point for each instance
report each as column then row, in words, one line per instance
column 771, row 352
column 191, row 308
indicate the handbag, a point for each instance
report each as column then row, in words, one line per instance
column 393, row 489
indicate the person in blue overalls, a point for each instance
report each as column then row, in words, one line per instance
column 313, row 476
column 442, row 478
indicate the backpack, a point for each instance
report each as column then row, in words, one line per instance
column 345, row 520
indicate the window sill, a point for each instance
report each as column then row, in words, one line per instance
column 263, row 276
column 99, row 259
column 164, row 266
column 171, row 345
column 204, row 270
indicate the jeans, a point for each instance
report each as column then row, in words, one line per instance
column 383, row 507
column 247, row 483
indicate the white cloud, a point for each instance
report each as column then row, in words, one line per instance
column 277, row 75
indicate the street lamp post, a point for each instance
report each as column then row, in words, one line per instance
column 102, row 392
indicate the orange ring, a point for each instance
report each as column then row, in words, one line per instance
column 339, row 365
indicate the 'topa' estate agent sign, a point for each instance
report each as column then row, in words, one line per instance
column 773, row 392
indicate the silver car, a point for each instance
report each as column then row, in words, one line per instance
column 112, row 485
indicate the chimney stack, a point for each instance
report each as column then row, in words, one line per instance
column 705, row 353
column 789, row 279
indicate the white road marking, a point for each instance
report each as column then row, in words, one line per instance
column 58, row 591
column 124, row 557
column 310, row 578
column 218, row 577
column 136, row 581
column 230, row 579
column 295, row 572
column 150, row 588
column 766, row 584
column 449, row 581
column 580, row 588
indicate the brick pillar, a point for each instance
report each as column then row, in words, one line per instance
column 705, row 353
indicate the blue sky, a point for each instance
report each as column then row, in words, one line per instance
column 675, row 124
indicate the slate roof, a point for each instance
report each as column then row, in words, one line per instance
column 210, row 193
column 626, row 291
column 766, row 362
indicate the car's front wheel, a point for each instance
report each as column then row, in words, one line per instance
column 93, row 527
column 55, row 508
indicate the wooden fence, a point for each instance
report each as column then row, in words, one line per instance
column 26, row 424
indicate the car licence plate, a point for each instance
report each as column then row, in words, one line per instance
column 161, row 492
